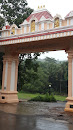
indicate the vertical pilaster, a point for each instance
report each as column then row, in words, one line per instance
column 42, row 26
column 67, row 22
column 9, row 73
column 25, row 29
column 70, row 75
column 9, row 81
column 36, row 27
column 3, row 76
column 16, row 74
column 60, row 22
column 69, row 104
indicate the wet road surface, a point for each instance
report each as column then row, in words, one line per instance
column 35, row 116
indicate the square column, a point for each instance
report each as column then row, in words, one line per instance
column 9, row 79
column 69, row 104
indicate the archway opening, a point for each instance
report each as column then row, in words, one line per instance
column 38, row 74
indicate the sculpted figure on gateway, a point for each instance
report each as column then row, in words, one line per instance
column 56, row 23
column 39, row 32
column 32, row 25
column 13, row 31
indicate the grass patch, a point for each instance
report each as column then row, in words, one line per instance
column 60, row 98
column 29, row 96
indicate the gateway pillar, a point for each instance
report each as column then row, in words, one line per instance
column 9, row 80
column 69, row 104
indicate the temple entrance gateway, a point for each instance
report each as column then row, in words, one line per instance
column 38, row 33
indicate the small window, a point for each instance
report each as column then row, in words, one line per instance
column 33, row 26
column 56, row 22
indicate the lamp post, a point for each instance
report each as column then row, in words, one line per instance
column 49, row 89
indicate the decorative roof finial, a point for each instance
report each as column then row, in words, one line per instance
column 41, row 7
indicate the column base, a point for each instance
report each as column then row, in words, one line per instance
column 8, row 97
column 69, row 104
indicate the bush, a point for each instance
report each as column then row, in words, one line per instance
column 46, row 98
column 38, row 98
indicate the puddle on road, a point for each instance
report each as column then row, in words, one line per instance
column 31, row 108
column 31, row 116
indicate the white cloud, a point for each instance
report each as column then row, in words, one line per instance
column 58, row 55
column 62, row 7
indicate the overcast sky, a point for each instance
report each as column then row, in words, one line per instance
column 61, row 7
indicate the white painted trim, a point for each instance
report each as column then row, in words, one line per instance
column 67, row 22
column 60, row 23
column 53, row 25
column 42, row 26
column 6, row 71
column 51, row 36
column 38, row 32
column 20, row 30
column 12, row 83
column 47, row 36
column 60, row 34
column 57, row 34
column 4, row 34
column 35, row 27
column 42, row 19
column 7, row 33
column 72, row 33
column 64, row 33
column 47, row 25
column 72, row 77
column 68, row 33
column 24, row 29
column 71, row 20
column 29, row 29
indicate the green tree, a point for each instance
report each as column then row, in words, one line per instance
column 27, row 73
column 15, row 11
column 2, row 21
column 57, row 73
column 35, row 75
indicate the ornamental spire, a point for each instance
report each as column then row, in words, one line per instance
column 41, row 7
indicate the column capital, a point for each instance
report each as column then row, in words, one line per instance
column 70, row 54
column 10, row 58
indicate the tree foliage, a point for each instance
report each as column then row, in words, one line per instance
column 2, row 21
column 35, row 76
column 15, row 11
